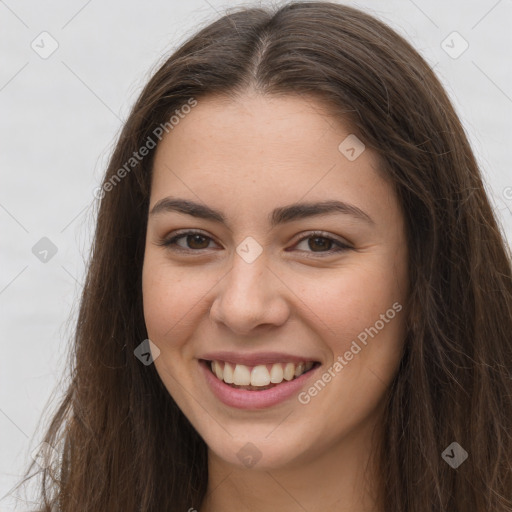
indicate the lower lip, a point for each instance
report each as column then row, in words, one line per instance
column 244, row 399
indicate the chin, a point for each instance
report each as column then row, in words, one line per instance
column 257, row 452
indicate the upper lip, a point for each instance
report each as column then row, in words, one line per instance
column 255, row 358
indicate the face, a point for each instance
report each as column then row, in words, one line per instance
column 301, row 308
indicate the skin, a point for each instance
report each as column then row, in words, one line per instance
column 246, row 157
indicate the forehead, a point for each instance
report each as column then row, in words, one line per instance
column 255, row 150
column 255, row 125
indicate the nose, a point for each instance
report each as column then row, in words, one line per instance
column 250, row 298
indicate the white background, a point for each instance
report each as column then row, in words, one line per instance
column 59, row 119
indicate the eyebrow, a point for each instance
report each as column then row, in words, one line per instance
column 278, row 216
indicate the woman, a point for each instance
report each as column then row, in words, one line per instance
column 299, row 297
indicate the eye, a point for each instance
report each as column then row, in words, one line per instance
column 319, row 240
column 193, row 241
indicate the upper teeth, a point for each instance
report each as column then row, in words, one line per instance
column 260, row 375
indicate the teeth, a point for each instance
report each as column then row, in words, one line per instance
column 276, row 373
column 217, row 368
column 241, row 375
column 289, row 371
column 260, row 375
column 228, row 373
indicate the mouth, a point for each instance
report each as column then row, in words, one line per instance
column 259, row 377
column 256, row 386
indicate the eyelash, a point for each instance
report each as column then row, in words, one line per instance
column 170, row 243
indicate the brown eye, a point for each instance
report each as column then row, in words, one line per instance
column 315, row 243
column 192, row 241
column 321, row 244
column 196, row 241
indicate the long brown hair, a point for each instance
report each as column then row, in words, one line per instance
column 127, row 446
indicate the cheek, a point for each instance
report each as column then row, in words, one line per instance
column 171, row 298
column 360, row 316
column 347, row 303
column 160, row 304
column 168, row 302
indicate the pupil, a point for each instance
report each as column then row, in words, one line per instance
column 322, row 245
column 197, row 238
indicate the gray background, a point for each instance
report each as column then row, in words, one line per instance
column 59, row 119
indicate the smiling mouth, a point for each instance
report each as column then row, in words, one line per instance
column 259, row 377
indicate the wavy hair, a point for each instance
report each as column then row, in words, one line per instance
column 126, row 446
